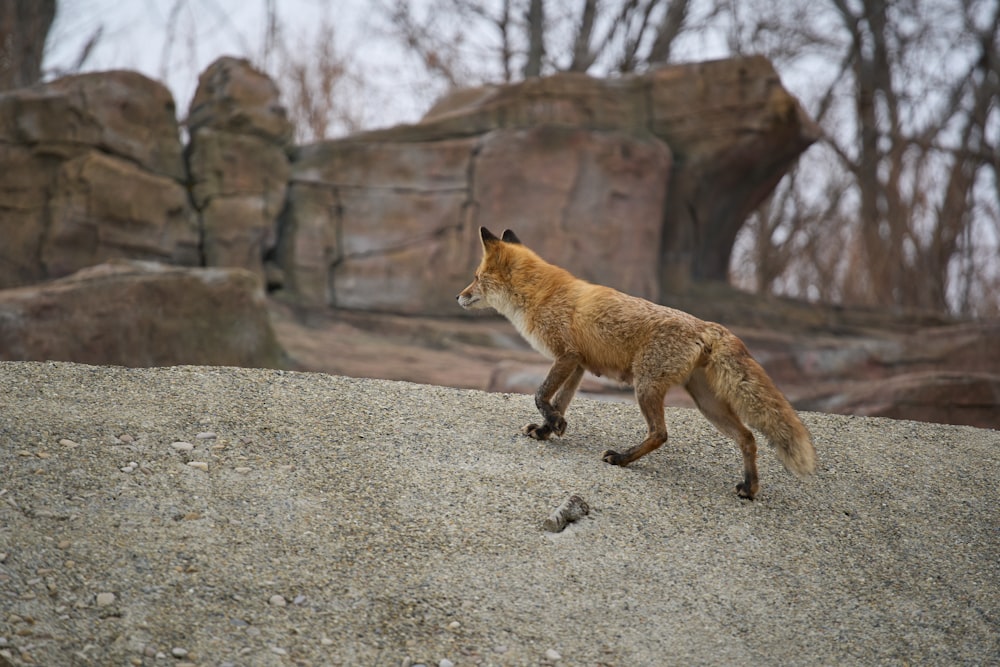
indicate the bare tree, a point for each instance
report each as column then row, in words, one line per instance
column 467, row 42
column 322, row 92
column 535, row 21
column 908, row 114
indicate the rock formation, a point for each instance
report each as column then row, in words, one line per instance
column 92, row 170
column 640, row 183
column 238, row 168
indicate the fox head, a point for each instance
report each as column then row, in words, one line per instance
column 491, row 287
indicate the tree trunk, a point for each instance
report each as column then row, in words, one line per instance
column 24, row 26
column 536, row 39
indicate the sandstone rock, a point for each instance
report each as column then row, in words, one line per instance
column 25, row 189
column 235, row 97
column 582, row 168
column 91, row 168
column 105, row 207
column 422, row 278
column 122, row 113
column 591, row 201
column 224, row 164
column 134, row 313
column 567, row 98
column 237, row 233
column 379, row 226
column 307, row 245
column 405, row 215
column 237, row 162
column 735, row 131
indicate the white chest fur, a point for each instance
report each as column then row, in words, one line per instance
column 520, row 321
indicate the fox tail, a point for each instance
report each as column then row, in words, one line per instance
column 737, row 378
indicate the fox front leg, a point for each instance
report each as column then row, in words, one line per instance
column 564, row 377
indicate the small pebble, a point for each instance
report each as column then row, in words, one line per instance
column 243, row 469
column 326, row 641
column 178, row 652
column 299, row 599
column 182, row 446
column 125, row 437
column 277, row 650
column 206, row 435
column 66, row 442
column 445, row 662
column 277, row 601
column 200, row 465
column 105, row 599
column 553, row 655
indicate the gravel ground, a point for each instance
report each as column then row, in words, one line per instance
column 216, row 516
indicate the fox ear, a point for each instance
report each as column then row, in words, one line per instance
column 487, row 236
column 510, row 237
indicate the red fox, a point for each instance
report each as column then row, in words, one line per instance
column 585, row 327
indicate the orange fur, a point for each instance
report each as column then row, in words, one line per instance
column 582, row 326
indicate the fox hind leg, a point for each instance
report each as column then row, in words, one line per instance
column 650, row 398
column 721, row 414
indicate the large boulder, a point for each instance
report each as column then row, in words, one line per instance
column 122, row 113
column 391, row 226
column 379, row 225
column 233, row 96
column 104, row 207
column 91, row 169
column 237, row 162
column 134, row 313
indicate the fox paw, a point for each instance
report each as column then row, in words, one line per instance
column 558, row 425
column 537, row 432
column 743, row 490
column 613, row 457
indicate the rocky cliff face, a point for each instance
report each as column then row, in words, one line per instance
column 92, row 170
column 640, row 183
column 606, row 177
column 237, row 163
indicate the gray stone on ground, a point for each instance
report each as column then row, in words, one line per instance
column 400, row 523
